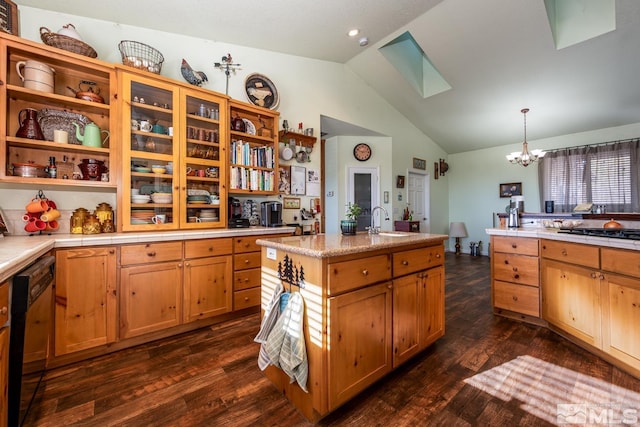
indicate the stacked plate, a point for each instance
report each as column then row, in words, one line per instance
column 208, row 215
column 140, row 198
column 163, row 198
column 197, row 199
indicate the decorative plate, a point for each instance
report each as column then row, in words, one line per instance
column 50, row 119
column 261, row 91
column 251, row 128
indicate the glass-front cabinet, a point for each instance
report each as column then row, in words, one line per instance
column 174, row 156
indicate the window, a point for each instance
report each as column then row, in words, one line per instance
column 604, row 174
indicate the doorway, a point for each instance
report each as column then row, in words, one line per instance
column 418, row 199
column 363, row 189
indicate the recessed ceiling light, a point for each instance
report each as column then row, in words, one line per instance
column 353, row 33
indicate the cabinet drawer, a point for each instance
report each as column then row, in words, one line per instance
column 515, row 245
column 246, row 298
column 246, row 244
column 521, row 269
column 4, row 303
column 244, row 261
column 407, row 262
column 620, row 261
column 245, row 279
column 150, row 252
column 519, row 298
column 573, row 253
column 207, row 247
column 346, row 275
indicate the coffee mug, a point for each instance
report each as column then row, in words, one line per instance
column 52, row 226
column 158, row 129
column 35, row 225
column 135, row 125
column 211, row 172
column 50, row 215
column 159, row 219
column 189, row 171
column 37, row 205
column 145, row 126
column 60, row 135
column 201, row 173
column 194, row 219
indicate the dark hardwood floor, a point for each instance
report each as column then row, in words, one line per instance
column 486, row 370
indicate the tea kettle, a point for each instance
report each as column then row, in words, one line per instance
column 91, row 137
column 513, row 221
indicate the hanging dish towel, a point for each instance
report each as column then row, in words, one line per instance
column 271, row 315
column 285, row 345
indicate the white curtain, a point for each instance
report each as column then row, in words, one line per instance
column 604, row 174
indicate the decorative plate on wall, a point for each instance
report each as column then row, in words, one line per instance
column 261, row 91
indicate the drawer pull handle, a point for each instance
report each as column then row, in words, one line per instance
column 515, row 268
column 506, row 261
column 405, row 262
column 515, row 298
column 246, row 261
column 593, row 275
column 437, row 255
column 210, row 248
column 112, row 251
column 564, row 252
column 152, row 253
column 516, row 276
column 365, row 272
column 513, row 245
column 246, row 298
column 4, row 310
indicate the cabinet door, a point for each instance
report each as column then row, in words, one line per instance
column 359, row 339
column 85, row 298
column 621, row 317
column 148, row 102
column 4, row 373
column 432, row 309
column 150, row 298
column 571, row 300
column 406, row 317
column 207, row 287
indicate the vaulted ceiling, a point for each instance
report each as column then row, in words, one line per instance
column 498, row 56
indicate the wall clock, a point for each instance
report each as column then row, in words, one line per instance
column 362, row 152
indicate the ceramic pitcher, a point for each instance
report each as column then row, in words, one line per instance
column 37, row 75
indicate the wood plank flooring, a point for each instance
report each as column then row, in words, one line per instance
column 486, row 370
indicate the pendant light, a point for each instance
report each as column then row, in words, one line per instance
column 525, row 158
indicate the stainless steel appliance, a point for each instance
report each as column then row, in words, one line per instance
column 271, row 214
column 31, row 316
column 513, row 221
column 618, row 233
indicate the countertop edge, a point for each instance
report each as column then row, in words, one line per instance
column 552, row 234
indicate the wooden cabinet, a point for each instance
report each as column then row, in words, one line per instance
column 183, row 131
column 4, row 352
column 253, row 154
column 515, row 277
column 360, row 341
column 151, row 289
column 58, row 110
column 85, row 298
column 207, row 278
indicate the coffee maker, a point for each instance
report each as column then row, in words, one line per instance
column 271, row 214
column 235, row 214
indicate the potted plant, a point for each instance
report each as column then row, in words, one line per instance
column 348, row 226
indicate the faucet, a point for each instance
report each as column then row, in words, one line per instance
column 373, row 229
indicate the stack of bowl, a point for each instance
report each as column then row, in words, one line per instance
column 163, row 198
column 158, row 169
column 197, row 199
column 208, row 215
column 140, row 198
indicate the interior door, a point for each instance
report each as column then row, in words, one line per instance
column 364, row 189
column 418, row 199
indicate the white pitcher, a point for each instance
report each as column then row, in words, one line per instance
column 37, row 76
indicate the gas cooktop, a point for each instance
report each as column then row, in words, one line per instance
column 618, row 233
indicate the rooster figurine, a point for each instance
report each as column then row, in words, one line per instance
column 196, row 78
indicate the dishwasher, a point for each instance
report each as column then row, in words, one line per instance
column 31, row 324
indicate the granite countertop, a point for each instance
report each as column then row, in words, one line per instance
column 328, row 245
column 17, row 252
column 552, row 234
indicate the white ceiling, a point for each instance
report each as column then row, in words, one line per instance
column 498, row 55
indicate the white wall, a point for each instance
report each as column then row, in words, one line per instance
column 308, row 88
column 474, row 178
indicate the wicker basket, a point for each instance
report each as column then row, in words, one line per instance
column 141, row 56
column 67, row 43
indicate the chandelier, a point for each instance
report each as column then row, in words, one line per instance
column 525, row 158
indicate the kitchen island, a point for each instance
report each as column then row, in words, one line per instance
column 585, row 288
column 371, row 302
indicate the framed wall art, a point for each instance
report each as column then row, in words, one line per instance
column 291, row 202
column 284, row 179
column 400, row 181
column 511, row 189
column 298, row 180
column 9, row 17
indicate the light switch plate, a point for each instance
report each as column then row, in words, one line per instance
column 271, row 253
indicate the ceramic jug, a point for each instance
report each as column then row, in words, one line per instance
column 37, row 75
column 29, row 126
column 92, row 135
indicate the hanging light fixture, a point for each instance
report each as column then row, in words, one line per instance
column 525, row 158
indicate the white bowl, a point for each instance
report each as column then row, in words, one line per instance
column 135, row 191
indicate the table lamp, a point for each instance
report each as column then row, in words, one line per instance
column 457, row 230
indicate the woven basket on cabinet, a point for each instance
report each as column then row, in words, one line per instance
column 67, row 43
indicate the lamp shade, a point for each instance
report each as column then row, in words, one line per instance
column 457, row 229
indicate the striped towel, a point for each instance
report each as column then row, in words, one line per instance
column 285, row 345
column 271, row 315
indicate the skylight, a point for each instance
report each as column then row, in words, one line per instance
column 575, row 21
column 409, row 59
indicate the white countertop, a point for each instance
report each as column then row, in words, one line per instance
column 17, row 252
column 552, row 234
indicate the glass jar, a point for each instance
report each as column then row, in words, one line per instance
column 91, row 225
column 77, row 220
column 108, row 226
column 104, row 212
